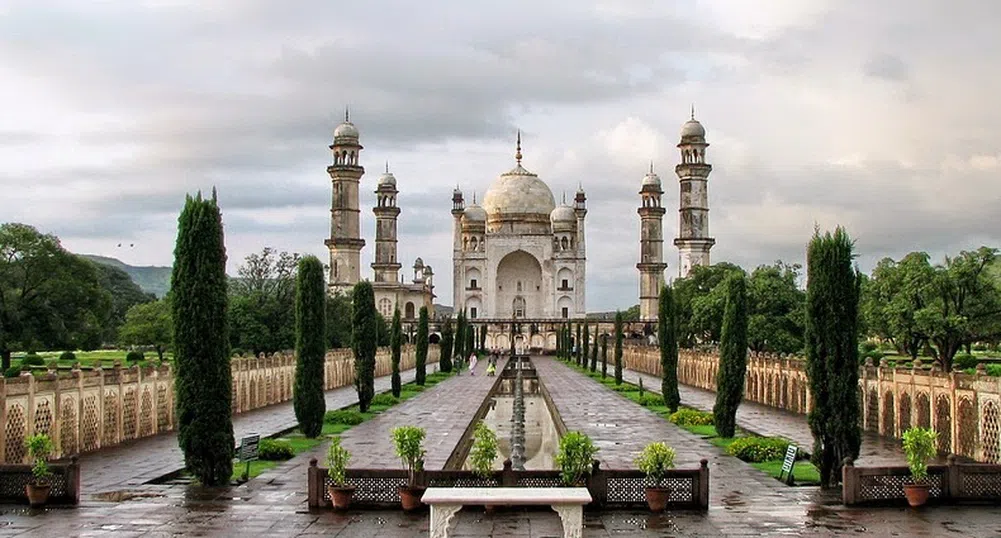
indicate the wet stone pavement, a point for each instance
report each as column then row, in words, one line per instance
column 744, row 502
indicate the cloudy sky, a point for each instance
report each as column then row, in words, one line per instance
column 881, row 116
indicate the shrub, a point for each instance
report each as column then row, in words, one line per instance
column 39, row 448
column 867, row 346
column 655, row 460
column 963, row 361
column 758, row 449
column 623, row 388
column 31, row 359
column 575, row 457
column 237, row 352
column 337, row 460
column 13, row 371
column 344, row 416
column 919, row 446
column 484, row 451
column 650, row 400
column 134, row 356
column 409, row 444
column 994, row 370
column 275, row 450
column 692, row 417
column 67, row 356
column 385, row 399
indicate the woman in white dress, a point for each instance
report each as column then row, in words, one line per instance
column 472, row 363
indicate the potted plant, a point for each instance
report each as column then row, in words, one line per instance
column 337, row 461
column 39, row 447
column 408, row 441
column 575, row 457
column 483, row 453
column 919, row 446
column 655, row 460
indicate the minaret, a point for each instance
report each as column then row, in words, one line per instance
column 580, row 210
column 385, row 266
column 693, row 239
column 651, row 265
column 458, row 207
column 345, row 241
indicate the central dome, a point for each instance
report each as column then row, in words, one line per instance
column 519, row 192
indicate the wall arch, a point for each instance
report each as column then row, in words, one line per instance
column 564, row 279
column 519, row 269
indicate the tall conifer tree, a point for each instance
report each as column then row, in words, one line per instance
column 445, row 355
column 310, row 346
column 594, row 350
column 203, row 382
column 668, row 339
column 363, row 341
column 585, row 345
column 732, row 357
column 396, row 349
column 618, row 347
column 422, row 346
column 832, row 299
column 604, row 356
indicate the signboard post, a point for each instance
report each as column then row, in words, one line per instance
column 788, row 463
column 248, row 452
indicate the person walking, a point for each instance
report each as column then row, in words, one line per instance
column 472, row 363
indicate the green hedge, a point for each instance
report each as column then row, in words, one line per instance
column 32, row 359
column 344, row 416
column 758, row 449
column 692, row 417
column 650, row 400
column 385, row 398
column 275, row 450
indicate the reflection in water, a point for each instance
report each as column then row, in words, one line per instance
column 541, row 438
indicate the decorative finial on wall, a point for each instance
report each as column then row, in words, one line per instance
column 517, row 153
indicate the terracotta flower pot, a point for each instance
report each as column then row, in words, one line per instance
column 410, row 497
column 340, row 497
column 917, row 494
column 656, row 498
column 38, row 494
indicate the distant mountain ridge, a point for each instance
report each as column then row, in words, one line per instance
column 151, row 278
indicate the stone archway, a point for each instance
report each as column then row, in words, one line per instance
column 519, row 286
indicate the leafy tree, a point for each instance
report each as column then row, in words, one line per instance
column 700, row 309
column 632, row 313
column 363, row 341
column 310, row 346
column 395, row 347
column 383, row 330
column 445, row 357
column 618, row 348
column 124, row 295
column 262, row 316
column 892, row 298
column 594, row 350
column 49, row 298
column 668, row 349
column 339, row 321
column 604, row 356
column 422, row 346
column 148, row 324
column 832, row 299
column 201, row 343
column 733, row 357
column 776, row 306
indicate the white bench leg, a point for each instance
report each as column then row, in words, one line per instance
column 572, row 516
column 441, row 516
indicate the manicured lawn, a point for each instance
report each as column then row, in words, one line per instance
column 90, row 359
column 804, row 472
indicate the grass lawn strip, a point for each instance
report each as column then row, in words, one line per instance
column 804, row 472
column 382, row 402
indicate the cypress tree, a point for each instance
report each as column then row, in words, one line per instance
column 363, row 342
column 618, row 348
column 310, row 346
column 576, row 346
column 395, row 347
column 559, row 343
column 604, row 356
column 445, row 357
column 668, row 338
column 732, row 357
column 460, row 335
column 585, row 343
column 832, row 298
column 203, row 383
column 483, row 338
column 594, row 350
column 470, row 346
column 422, row 346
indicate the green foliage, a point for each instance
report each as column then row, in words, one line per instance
column 618, row 348
column 776, row 307
column 445, row 355
column 650, row 400
column 32, row 359
column 575, row 457
column 632, row 313
column 396, row 349
column 39, row 449
column 483, row 338
column 262, row 314
column 363, row 341
column 347, row 417
column 340, row 323
column 386, row 399
column 275, row 450
column 470, row 344
column 699, row 302
column 150, row 279
column 963, row 361
column 578, row 344
column 134, row 356
column 337, row 461
column 668, row 339
column 604, row 356
column 919, row 446
column 422, row 347
column 408, row 441
column 124, row 295
column 460, row 335
column 49, row 298
column 832, row 306
column 585, row 343
column 484, row 450
column 203, row 379
column 758, row 449
column 310, row 346
column 733, row 357
column 13, row 371
column 594, row 350
column 67, row 356
column 655, row 460
column 691, row 417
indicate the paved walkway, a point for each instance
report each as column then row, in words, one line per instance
column 444, row 411
column 130, row 465
column 770, row 421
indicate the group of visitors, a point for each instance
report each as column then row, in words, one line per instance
column 473, row 359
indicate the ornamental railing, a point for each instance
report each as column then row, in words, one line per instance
column 950, row 484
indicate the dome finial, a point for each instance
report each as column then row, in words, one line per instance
column 474, row 197
column 564, row 197
column 347, row 114
column 517, row 153
column 651, row 166
column 693, row 111
column 387, row 167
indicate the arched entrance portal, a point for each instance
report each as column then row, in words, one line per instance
column 519, row 286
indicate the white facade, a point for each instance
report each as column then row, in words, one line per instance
column 519, row 255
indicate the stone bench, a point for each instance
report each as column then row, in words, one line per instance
column 567, row 502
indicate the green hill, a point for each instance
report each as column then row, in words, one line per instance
column 151, row 278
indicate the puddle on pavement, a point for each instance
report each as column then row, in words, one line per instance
column 121, row 496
